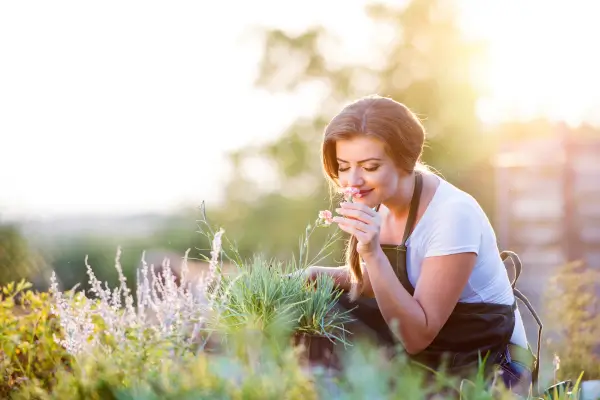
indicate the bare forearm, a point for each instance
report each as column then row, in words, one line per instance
column 402, row 312
column 341, row 277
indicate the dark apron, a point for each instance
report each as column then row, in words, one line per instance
column 472, row 332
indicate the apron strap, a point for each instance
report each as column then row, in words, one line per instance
column 536, row 365
column 402, row 270
column 518, row 266
column 414, row 208
column 516, row 261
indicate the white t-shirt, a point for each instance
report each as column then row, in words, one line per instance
column 455, row 223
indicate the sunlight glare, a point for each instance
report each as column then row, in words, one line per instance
column 542, row 58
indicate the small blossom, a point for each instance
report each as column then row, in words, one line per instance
column 325, row 218
column 350, row 192
column 556, row 364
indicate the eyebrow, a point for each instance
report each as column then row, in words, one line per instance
column 361, row 161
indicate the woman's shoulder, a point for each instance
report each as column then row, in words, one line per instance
column 449, row 197
column 451, row 211
column 454, row 222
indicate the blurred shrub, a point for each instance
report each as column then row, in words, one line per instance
column 572, row 318
column 116, row 349
column 28, row 352
column 17, row 259
column 175, row 234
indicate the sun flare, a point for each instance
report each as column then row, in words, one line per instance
column 541, row 60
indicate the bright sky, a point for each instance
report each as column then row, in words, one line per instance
column 130, row 106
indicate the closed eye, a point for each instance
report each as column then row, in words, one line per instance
column 368, row 169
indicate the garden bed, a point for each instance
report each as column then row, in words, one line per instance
column 260, row 334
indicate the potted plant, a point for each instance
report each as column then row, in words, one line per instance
column 262, row 297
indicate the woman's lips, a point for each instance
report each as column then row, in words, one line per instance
column 363, row 193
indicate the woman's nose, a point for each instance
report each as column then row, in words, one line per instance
column 355, row 178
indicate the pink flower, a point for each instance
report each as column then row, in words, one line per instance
column 325, row 218
column 350, row 192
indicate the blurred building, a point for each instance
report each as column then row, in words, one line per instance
column 548, row 206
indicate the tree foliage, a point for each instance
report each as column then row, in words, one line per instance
column 425, row 63
column 17, row 260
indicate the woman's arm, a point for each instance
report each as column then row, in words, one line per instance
column 417, row 320
column 450, row 254
column 341, row 277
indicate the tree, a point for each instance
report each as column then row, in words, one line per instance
column 17, row 260
column 175, row 234
column 426, row 65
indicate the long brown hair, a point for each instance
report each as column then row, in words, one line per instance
column 387, row 120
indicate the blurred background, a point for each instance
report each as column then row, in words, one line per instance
column 118, row 119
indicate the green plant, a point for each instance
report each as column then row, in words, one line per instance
column 318, row 312
column 250, row 368
column 263, row 296
column 28, row 351
column 572, row 309
column 18, row 260
column 114, row 348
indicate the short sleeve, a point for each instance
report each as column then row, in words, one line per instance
column 457, row 228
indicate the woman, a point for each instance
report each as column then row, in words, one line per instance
column 423, row 267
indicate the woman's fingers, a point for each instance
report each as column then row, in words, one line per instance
column 352, row 230
column 354, row 214
column 360, row 208
column 353, row 223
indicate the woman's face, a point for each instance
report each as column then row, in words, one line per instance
column 365, row 165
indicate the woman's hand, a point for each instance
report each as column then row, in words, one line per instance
column 308, row 274
column 363, row 222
